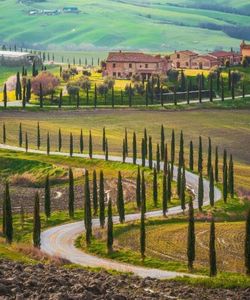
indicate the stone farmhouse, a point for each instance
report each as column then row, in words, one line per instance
column 205, row 62
column 222, row 57
column 182, row 59
column 245, row 49
column 126, row 64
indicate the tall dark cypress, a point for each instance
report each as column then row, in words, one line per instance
column 165, row 165
column 47, row 198
column 179, row 181
column 38, row 136
column 112, row 97
column 81, row 142
column 138, row 188
column 5, row 97
column 142, row 231
column 158, row 158
column 48, row 144
column 143, row 192
column 212, row 251
column 181, row 151
column 150, row 153
column 191, row 236
column 126, row 141
column 123, row 151
column 60, row 99
column 120, row 199
column 172, row 152
column 95, row 194
column 36, row 223
column 162, row 142
column 216, row 165
column 20, row 135
column 211, row 186
column 26, row 142
column 231, row 177
column 222, row 89
column 169, row 185
column 101, row 200
column 110, row 238
column 247, row 244
column 87, row 210
column 191, row 156
column 71, row 203
column 59, row 140
column 200, row 156
column 164, row 195
column 103, row 139
column 134, row 149
column 4, row 134
column 90, row 145
column 200, row 192
column 183, row 189
column 106, row 150
column 146, row 142
column 143, row 156
column 8, row 215
column 225, row 177
column 209, row 156
column 155, row 188
column 71, row 145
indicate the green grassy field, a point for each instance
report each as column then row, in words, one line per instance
column 129, row 24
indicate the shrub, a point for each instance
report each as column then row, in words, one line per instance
column 48, row 81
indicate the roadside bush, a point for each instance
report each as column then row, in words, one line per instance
column 109, row 81
column 48, row 81
column 84, row 83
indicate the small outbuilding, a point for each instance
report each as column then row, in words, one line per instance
column 14, row 58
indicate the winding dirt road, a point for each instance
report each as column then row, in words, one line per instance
column 59, row 240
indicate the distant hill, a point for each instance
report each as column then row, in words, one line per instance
column 153, row 25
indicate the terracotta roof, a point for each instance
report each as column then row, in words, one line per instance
column 219, row 54
column 187, row 52
column 207, row 57
column 245, row 46
column 133, row 57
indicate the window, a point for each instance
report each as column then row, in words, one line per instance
column 187, row 64
column 146, row 66
column 114, row 74
column 178, row 55
column 130, row 66
column 113, row 65
column 119, row 74
column 130, row 74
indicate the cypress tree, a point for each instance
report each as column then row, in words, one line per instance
column 209, row 156
column 5, row 97
column 71, row 145
column 60, row 99
column 243, row 90
column 233, row 90
column 216, row 165
column 103, row 139
column 231, row 177
column 87, row 210
column 200, row 192
column 229, row 80
column 164, row 195
column 172, row 153
column 36, row 223
column 200, row 158
column 134, row 149
column 48, row 144
column 191, row 156
column 146, row 142
column 4, row 134
column 225, row 177
column 119, row 199
column 71, row 203
column 165, row 165
column 81, row 142
column 191, row 236
column 138, row 188
column 87, row 96
column 142, row 231
column 143, row 192
column 181, row 151
column 24, row 97
column 222, row 89
column 211, row 186
column 59, row 140
column 38, row 137
column 150, row 153
column 47, row 199
column 110, row 238
column 183, row 190
column 143, row 158
column 20, row 135
column 247, row 244
column 212, row 250
column 123, row 151
column 126, row 141
column 162, row 142
column 26, row 142
column 155, row 188
column 112, row 97
column 101, row 201
column 106, row 150
column 179, row 181
column 8, row 215
column 169, row 183
column 90, row 145
column 158, row 160
column 95, row 195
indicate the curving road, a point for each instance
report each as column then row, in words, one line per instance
column 59, row 240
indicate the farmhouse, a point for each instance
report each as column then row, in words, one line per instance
column 125, row 64
column 12, row 58
column 245, row 49
column 232, row 57
column 205, row 62
column 182, row 59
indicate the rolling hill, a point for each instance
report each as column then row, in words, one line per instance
column 154, row 25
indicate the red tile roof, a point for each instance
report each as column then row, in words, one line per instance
column 187, row 52
column 133, row 57
column 206, row 57
column 220, row 54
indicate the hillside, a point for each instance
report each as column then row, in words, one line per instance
column 156, row 25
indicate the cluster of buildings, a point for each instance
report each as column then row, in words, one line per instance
column 16, row 58
column 125, row 64
column 54, row 12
